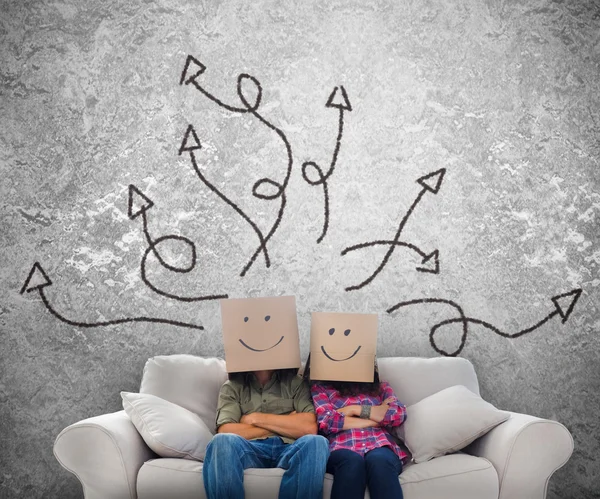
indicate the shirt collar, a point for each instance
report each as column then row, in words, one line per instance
column 255, row 384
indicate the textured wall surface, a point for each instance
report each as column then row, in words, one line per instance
column 466, row 144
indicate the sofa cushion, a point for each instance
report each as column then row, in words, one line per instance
column 168, row 429
column 188, row 381
column 414, row 378
column 452, row 476
column 179, row 479
column 447, row 421
column 458, row 476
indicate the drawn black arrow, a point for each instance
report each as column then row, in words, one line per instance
column 429, row 183
column 430, row 261
column 191, row 143
column 341, row 103
column 192, row 70
column 563, row 306
column 37, row 280
column 138, row 205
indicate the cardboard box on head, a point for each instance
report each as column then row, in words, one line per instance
column 342, row 346
column 260, row 333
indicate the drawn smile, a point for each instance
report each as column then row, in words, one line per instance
column 338, row 360
column 264, row 349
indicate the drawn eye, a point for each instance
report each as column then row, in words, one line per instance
column 331, row 331
column 267, row 318
column 245, row 319
column 346, row 332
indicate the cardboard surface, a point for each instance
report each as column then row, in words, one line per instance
column 260, row 333
column 342, row 346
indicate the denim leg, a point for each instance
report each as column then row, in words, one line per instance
column 304, row 462
column 227, row 456
column 349, row 474
column 383, row 468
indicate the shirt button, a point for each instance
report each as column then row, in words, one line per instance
column 264, row 400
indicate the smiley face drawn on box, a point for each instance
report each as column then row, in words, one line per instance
column 342, row 346
column 260, row 333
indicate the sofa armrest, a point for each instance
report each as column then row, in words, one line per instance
column 105, row 453
column 525, row 451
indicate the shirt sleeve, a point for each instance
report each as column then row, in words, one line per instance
column 302, row 399
column 229, row 409
column 328, row 419
column 396, row 414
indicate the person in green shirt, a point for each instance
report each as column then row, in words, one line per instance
column 266, row 419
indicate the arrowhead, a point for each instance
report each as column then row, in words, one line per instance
column 192, row 65
column 185, row 147
column 431, row 263
column 432, row 181
column 565, row 303
column 339, row 101
column 37, row 279
column 138, row 202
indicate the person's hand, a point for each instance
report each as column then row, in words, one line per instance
column 350, row 410
column 378, row 411
column 248, row 418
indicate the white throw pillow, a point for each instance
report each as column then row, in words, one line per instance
column 168, row 429
column 446, row 422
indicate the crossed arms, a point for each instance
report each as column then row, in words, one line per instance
column 295, row 424
column 332, row 419
column 262, row 425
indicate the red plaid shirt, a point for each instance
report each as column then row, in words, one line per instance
column 361, row 440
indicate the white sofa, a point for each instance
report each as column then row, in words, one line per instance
column 514, row 460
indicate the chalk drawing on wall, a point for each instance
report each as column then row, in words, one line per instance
column 563, row 306
column 429, row 261
column 337, row 100
column 249, row 91
column 189, row 144
column 264, row 188
column 138, row 205
column 37, row 280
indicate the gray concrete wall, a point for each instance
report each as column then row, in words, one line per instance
column 501, row 99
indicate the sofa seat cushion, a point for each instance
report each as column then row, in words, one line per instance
column 182, row 479
column 455, row 476
column 451, row 476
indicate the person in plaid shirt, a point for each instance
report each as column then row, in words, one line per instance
column 357, row 418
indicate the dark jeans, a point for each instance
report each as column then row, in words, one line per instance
column 379, row 469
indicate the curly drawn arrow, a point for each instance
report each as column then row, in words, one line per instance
column 563, row 306
column 191, row 136
column 37, row 280
column 342, row 104
column 142, row 204
column 191, row 71
column 430, row 183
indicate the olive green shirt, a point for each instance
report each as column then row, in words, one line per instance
column 278, row 396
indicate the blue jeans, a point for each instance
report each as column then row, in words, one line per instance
column 228, row 455
column 379, row 469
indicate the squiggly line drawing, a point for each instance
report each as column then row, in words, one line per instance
column 192, row 65
column 37, row 280
column 430, row 183
column 342, row 104
column 142, row 207
column 563, row 306
column 191, row 136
